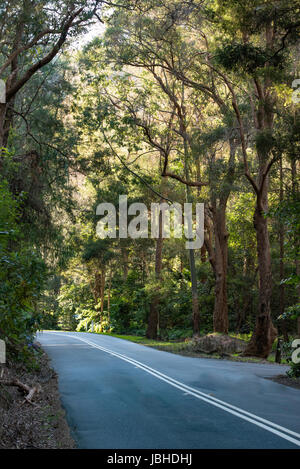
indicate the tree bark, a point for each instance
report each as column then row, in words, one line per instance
column 153, row 319
column 195, row 301
column 297, row 266
column 125, row 263
column 99, row 289
column 264, row 332
column 102, row 290
column 108, row 295
column 220, row 315
column 216, row 231
column 2, row 124
column 263, row 116
column 189, row 199
column 281, row 262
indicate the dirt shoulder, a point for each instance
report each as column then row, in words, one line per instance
column 38, row 425
column 286, row 380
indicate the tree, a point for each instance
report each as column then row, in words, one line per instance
column 274, row 27
column 32, row 34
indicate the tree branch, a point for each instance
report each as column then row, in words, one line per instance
column 45, row 60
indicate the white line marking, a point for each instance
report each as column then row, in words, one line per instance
column 243, row 414
column 64, row 345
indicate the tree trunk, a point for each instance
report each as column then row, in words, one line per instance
column 2, row 124
column 298, row 289
column 108, row 295
column 6, row 110
column 203, row 254
column 152, row 328
column 102, row 290
column 264, row 332
column 247, row 301
column 281, row 262
column 220, row 315
column 297, row 266
column 218, row 255
column 125, row 263
column 189, row 199
column 6, row 122
column 153, row 319
column 195, row 302
column 99, row 289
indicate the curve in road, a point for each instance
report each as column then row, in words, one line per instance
column 243, row 427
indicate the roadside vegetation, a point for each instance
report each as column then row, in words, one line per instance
column 190, row 347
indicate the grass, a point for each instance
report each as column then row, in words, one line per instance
column 144, row 341
column 183, row 348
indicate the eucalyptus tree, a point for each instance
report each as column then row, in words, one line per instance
column 260, row 40
column 158, row 43
column 32, row 33
column 248, row 48
column 112, row 105
column 97, row 255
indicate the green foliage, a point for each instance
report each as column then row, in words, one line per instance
column 155, row 90
column 236, row 56
column 294, row 371
column 22, row 278
column 75, row 303
column 287, row 213
column 179, row 334
column 292, row 312
column 264, row 142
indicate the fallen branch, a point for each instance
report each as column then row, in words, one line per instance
column 23, row 387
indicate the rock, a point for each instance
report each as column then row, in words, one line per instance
column 221, row 344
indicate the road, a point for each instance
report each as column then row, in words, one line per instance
column 119, row 395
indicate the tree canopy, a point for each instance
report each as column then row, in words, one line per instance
column 175, row 102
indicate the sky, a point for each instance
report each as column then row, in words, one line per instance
column 95, row 30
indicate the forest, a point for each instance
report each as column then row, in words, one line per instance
column 162, row 101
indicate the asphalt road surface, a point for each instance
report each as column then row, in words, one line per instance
column 119, row 395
